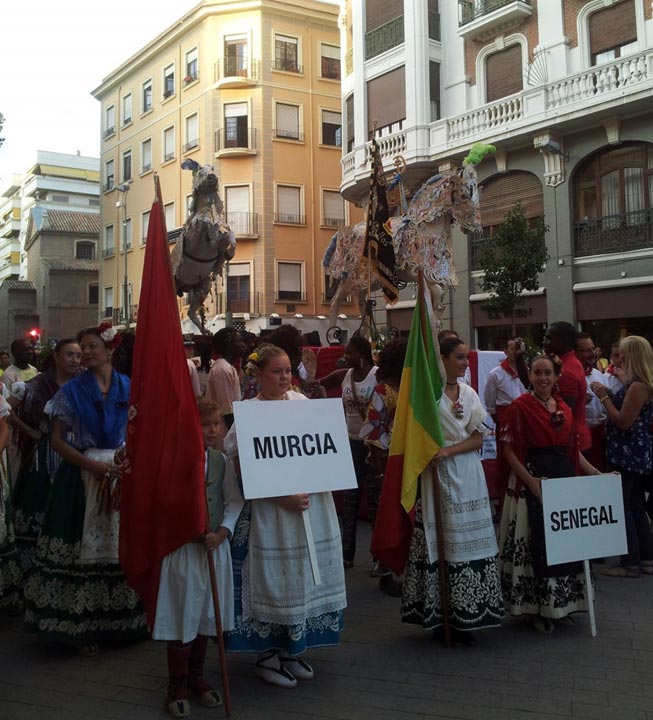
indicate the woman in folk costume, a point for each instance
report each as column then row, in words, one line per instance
column 184, row 610
column 10, row 573
column 539, row 440
column 470, row 545
column 280, row 612
column 76, row 594
column 38, row 463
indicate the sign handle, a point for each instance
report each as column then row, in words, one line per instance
column 310, row 543
column 590, row 596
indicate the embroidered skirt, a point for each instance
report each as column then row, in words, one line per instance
column 525, row 592
column 69, row 602
column 474, row 590
column 29, row 501
column 10, row 573
column 252, row 635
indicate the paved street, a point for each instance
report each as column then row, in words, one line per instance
column 382, row 671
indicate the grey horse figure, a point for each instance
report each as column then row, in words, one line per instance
column 205, row 244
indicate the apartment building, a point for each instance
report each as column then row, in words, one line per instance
column 49, row 234
column 254, row 90
column 563, row 89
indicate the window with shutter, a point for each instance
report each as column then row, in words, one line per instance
column 287, row 121
column 127, row 109
column 386, row 100
column 331, row 128
column 236, row 125
column 286, row 54
column 109, row 175
column 146, row 96
column 145, row 224
column 236, row 204
column 330, row 62
column 168, row 144
column 612, row 30
column 289, row 205
column 235, row 57
column 192, row 131
column 434, row 90
column 503, row 73
column 146, row 155
column 333, row 207
column 191, row 66
column 349, row 107
column 289, row 281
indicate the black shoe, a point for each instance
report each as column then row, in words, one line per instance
column 460, row 637
column 389, row 586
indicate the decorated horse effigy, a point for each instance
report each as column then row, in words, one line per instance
column 206, row 242
column 421, row 236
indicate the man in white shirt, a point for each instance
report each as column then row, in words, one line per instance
column 594, row 410
column 611, row 377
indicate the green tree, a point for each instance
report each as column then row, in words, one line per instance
column 512, row 260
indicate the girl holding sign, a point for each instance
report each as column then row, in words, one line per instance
column 280, row 611
column 539, row 440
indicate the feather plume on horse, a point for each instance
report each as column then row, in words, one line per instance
column 206, row 241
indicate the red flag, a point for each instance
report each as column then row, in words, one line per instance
column 162, row 498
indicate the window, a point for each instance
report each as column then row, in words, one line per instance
column 191, row 66
column 503, row 73
column 169, row 81
column 126, row 234
column 189, row 205
column 613, row 32
column 238, row 287
column 235, row 57
column 127, row 109
column 109, row 175
column 331, row 128
column 108, row 302
column 434, row 90
column 109, row 121
column 287, row 122
column 93, row 294
column 286, row 54
column 85, row 251
column 127, row 166
column 330, row 287
column 145, row 223
column 349, row 109
column 146, row 95
column 289, row 205
column 169, row 212
column 237, row 209
column 614, row 198
column 192, row 132
column 235, row 125
column 146, row 155
column 109, row 242
column 169, row 144
column 333, row 208
column 386, row 101
column 330, row 62
column 289, row 281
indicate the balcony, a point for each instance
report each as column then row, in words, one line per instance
column 385, row 37
column 239, row 303
column 621, row 86
column 289, row 219
column 191, row 145
column 281, row 134
column 242, row 142
column 191, row 78
column 243, row 224
column 485, row 19
column 233, row 72
column 109, row 132
column 333, row 222
column 614, row 233
column 108, row 251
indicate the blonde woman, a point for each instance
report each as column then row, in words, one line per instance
column 629, row 450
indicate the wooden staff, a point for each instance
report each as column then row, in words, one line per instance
column 226, row 693
column 439, row 533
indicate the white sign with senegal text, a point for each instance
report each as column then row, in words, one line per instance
column 293, row 447
column 583, row 518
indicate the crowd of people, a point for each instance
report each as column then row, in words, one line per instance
column 63, row 421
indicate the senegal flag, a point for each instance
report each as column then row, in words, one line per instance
column 416, row 439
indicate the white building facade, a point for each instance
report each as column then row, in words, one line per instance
column 563, row 89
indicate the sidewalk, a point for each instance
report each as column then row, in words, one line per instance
column 382, row 671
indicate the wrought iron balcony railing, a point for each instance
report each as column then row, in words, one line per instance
column 243, row 223
column 384, row 37
column 470, row 10
column 289, row 219
column 240, row 139
column 614, row 233
column 238, row 302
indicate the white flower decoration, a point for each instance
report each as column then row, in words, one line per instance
column 109, row 334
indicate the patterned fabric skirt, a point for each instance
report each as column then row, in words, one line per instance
column 524, row 593
column 69, row 602
column 251, row 635
column 10, row 573
column 29, row 499
column 474, row 591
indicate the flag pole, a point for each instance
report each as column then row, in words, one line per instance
column 224, row 677
column 443, row 579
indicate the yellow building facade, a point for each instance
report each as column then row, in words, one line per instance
column 252, row 88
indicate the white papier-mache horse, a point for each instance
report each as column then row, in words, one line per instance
column 206, row 241
column 421, row 237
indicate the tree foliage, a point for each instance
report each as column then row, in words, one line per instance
column 512, row 260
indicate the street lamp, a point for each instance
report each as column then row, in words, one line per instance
column 123, row 188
